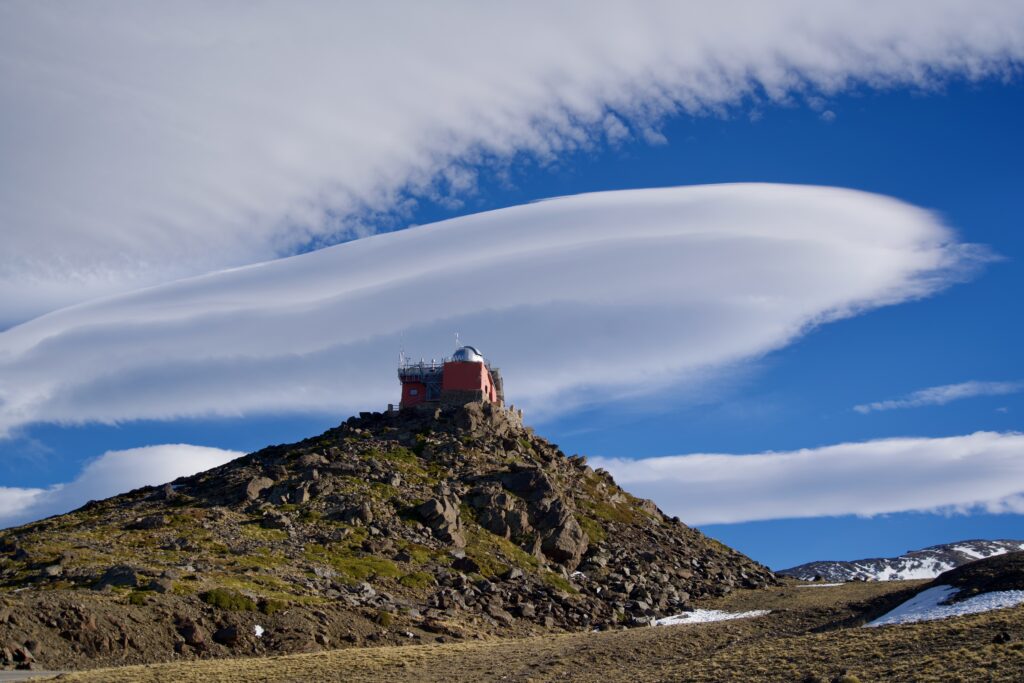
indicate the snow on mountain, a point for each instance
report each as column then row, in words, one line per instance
column 930, row 604
column 916, row 564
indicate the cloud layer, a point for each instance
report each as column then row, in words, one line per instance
column 147, row 142
column 112, row 473
column 954, row 474
column 580, row 299
column 941, row 395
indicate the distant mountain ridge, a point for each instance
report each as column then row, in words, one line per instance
column 926, row 563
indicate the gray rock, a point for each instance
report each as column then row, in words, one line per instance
column 162, row 585
column 310, row 461
column 228, row 635
column 442, row 516
column 149, row 522
column 466, row 564
column 365, row 513
column 530, row 484
column 272, row 519
column 564, row 540
column 256, row 486
column 300, row 494
column 193, row 634
column 165, row 492
column 118, row 575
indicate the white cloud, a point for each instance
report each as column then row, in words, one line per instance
column 579, row 299
column 941, row 395
column 980, row 471
column 143, row 142
column 112, row 473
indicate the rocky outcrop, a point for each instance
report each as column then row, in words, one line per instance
column 256, row 486
column 441, row 516
column 393, row 527
column 563, row 539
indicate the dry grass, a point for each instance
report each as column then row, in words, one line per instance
column 778, row 647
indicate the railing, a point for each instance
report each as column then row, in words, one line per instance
column 433, row 364
column 424, row 365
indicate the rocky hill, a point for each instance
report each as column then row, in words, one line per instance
column 404, row 527
column 916, row 564
column 1002, row 572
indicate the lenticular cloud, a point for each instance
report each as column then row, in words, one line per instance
column 145, row 142
column 957, row 474
column 579, row 299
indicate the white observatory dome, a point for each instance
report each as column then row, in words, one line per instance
column 468, row 354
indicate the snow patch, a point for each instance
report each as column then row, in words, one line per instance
column 972, row 553
column 820, row 585
column 704, row 616
column 927, row 605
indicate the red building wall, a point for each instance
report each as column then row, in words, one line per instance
column 468, row 376
column 413, row 393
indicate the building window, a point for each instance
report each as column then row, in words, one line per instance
column 414, row 392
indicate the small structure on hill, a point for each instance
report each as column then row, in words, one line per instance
column 461, row 379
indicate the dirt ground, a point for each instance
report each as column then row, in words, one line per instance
column 812, row 634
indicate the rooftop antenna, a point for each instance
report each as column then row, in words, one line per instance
column 457, row 344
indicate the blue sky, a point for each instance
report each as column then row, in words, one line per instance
column 951, row 146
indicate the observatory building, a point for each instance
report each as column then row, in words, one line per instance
column 461, row 379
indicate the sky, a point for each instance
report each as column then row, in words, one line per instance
column 764, row 265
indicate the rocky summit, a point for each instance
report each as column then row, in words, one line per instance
column 410, row 526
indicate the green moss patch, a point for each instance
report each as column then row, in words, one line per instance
column 227, row 599
column 351, row 565
column 417, row 580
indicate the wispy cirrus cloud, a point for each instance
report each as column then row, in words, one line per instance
column 981, row 471
column 584, row 298
column 145, row 142
column 112, row 473
column 941, row 395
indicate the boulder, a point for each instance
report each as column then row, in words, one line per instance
column 513, row 574
column 149, row 522
column 165, row 492
column 256, row 486
column 441, row 515
column 526, row 610
column 272, row 519
column 311, row 461
column 530, row 484
column 163, row 585
column 300, row 494
column 466, row 565
column 118, row 575
column 227, row 635
column 563, row 539
column 193, row 634
column 22, row 654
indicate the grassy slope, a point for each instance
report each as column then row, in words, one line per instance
column 779, row 647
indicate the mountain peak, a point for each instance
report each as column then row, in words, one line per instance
column 453, row 519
